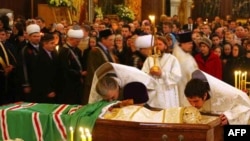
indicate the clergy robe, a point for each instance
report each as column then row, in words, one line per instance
column 226, row 99
column 188, row 65
column 71, row 86
column 167, row 91
column 126, row 74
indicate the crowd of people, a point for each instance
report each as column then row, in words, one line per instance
column 58, row 63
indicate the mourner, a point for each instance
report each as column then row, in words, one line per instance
column 214, row 96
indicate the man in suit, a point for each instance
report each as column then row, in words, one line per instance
column 44, row 86
column 98, row 56
column 190, row 26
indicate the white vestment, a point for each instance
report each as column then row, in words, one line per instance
column 126, row 74
column 188, row 65
column 226, row 99
column 167, row 91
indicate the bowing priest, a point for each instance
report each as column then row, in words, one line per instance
column 71, row 84
column 213, row 96
column 121, row 75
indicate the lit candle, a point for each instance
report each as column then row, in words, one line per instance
column 71, row 134
column 242, row 81
column 235, row 79
column 246, row 80
column 57, row 48
column 152, row 19
column 239, row 81
column 83, row 137
column 89, row 136
column 81, row 130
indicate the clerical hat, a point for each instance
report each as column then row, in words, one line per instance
column 145, row 41
column 32, row 28
column 184, row 37
column 136, row 91
column 75, row 33
column 105, row 33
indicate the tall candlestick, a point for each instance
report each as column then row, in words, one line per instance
column 71, row 134
column 235, row 79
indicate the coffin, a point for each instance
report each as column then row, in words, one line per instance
column 113, row 130
column 52, row 122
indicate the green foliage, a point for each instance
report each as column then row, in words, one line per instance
column 124, row 13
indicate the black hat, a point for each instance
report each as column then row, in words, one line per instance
column 105, row 33
column 184, row 37
column 47, row 37
column 136, row 91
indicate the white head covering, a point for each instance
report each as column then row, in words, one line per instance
column 32, row 28
column 75, row 33
column 10, row 15
column 145, row 41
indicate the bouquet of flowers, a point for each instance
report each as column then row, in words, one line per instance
column 58, row 3
column 124, row 13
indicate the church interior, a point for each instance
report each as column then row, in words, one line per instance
column 124, row 70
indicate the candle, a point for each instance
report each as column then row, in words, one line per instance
column 235, row 79
column 239, row 81
column 81, row 130
column 71, row 134
column 242, row 81
column 57, row 48
column 152, row 19
column 83, row 137
column 89, row 136
column 246, row 80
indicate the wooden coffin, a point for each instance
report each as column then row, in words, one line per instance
column 114, row 130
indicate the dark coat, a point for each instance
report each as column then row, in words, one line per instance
column 71, row 86
column 45, row 77
column 96, row 58
column 26, row 67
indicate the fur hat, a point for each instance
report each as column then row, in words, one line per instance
column 105, row 33
column 206, row 41
column 184, row 37
column 145, row 41
column 136, row 91
column 32, row 28
column 72, row 33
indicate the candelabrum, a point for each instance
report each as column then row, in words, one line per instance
column 240, row 80
column 156, row 53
